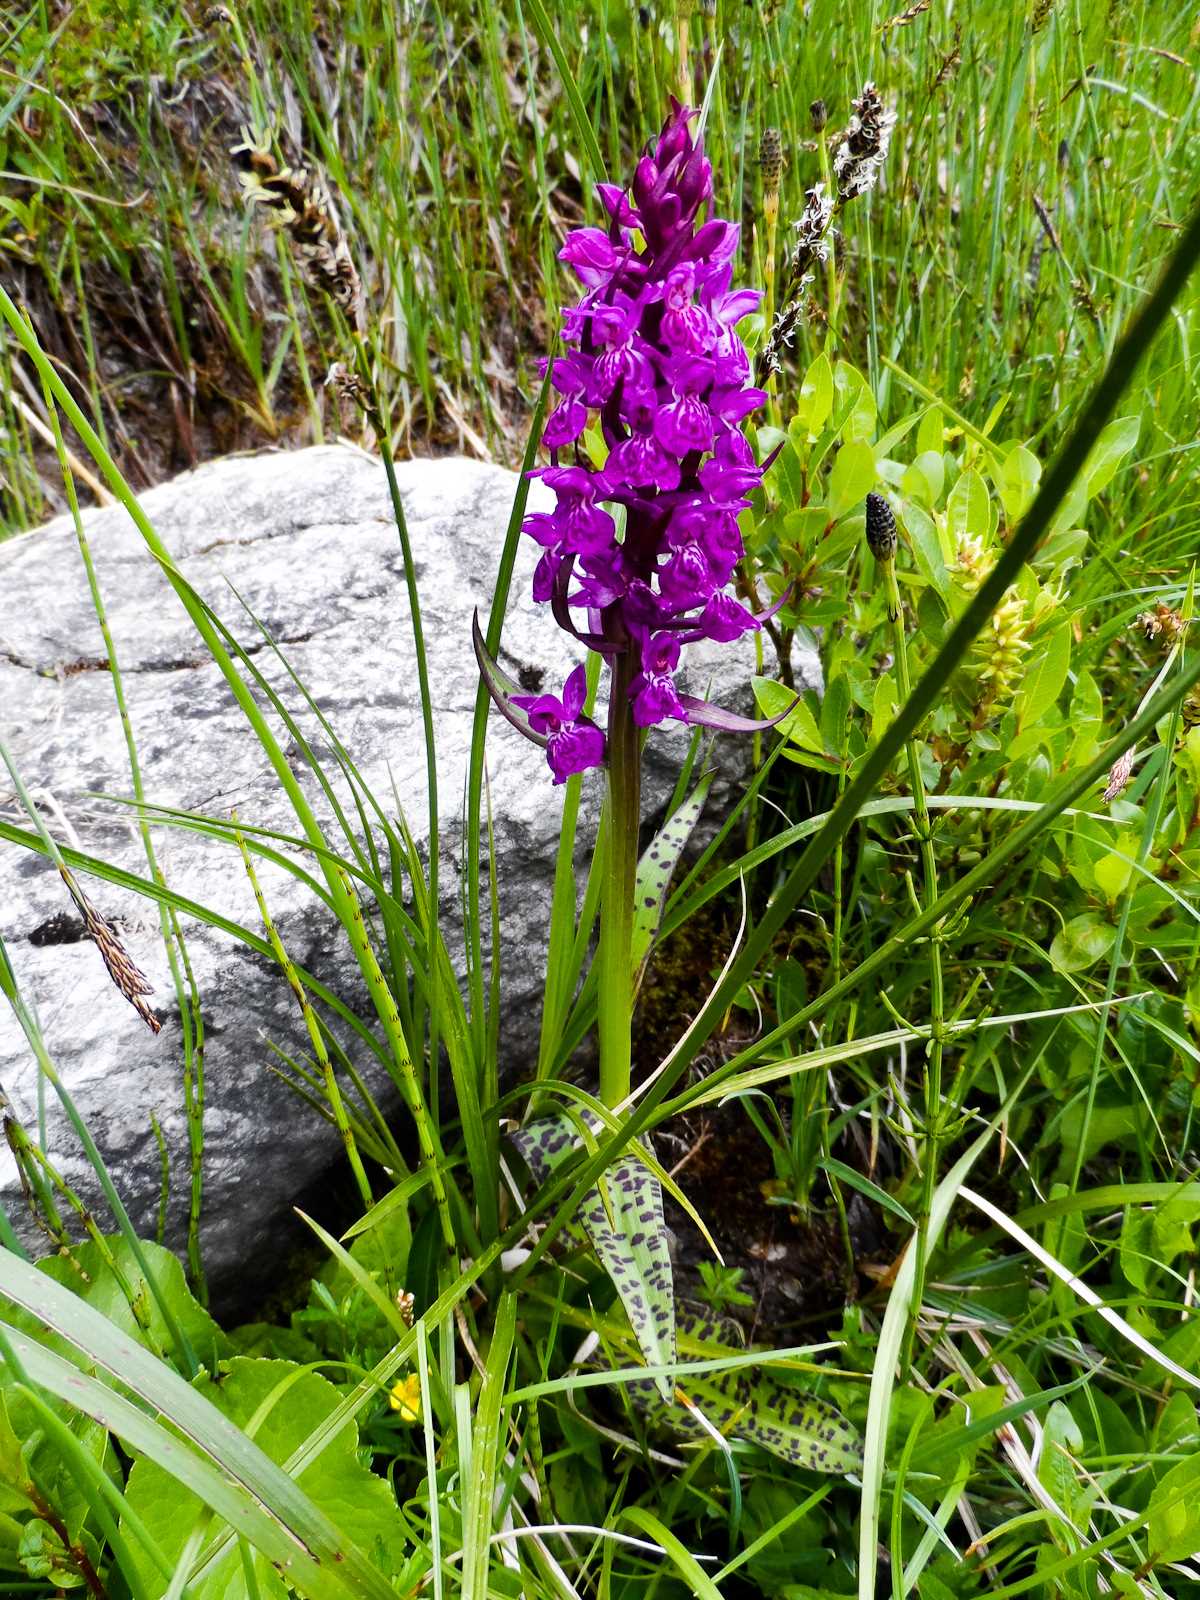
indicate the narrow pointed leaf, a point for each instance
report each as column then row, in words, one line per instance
column 502, row 688
column 655, row 870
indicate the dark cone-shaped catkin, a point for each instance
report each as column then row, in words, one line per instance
column 881, row 528
column 770, row 158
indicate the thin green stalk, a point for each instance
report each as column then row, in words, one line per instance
column 923, row 829
column 363, row 364
column 289, row 300
column 316, row 1036
column 28, row 1153
column 615, row 960
column 406, row 1073
column 38, row 1181
column 475, row 776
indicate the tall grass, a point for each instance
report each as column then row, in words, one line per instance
column 1040, row 170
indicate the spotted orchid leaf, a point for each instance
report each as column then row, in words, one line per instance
column 623, row 1219
column 799, row 1428
column 655, row 870
column 545, row 1144
column 502, row 688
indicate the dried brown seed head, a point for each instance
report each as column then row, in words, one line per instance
column 1118, row 776
column 125, row 974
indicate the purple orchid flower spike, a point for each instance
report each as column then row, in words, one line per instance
column 653, row 358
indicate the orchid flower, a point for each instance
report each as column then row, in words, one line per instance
column 652, row 355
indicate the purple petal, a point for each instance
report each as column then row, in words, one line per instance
column 574, row 693
column 613, row 199
column 575, row 750
column 591, row 253
column 734, row 404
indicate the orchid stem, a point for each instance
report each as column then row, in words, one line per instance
column 615, row 1008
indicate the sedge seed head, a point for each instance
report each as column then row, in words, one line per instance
column 770, row 157
column 881, row 528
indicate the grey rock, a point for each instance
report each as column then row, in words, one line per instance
column 306, row 542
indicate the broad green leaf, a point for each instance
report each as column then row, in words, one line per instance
column 1112, row 873
column 93, row 1280
column 1045, row 673
column 1171, row 1229
column 654, row 873
column 802, row 530
column 1110, row 449
column 1176, row 1425
column 816, row 396
column 799, row 725
column 930, row 432
column 926, row 546
column 1062, row 1442
column 854, row 394
column 32, row 1470
column 969, row 510
column 1061, row 550
column 924, row 479
column 1017, row 481
column 279, row 1404
column 853, row 475
column 1084, row 940
column 1173, row 1530
column 1086, row 718
column 835, row 713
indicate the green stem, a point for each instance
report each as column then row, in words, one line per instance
column 937, row 996
column 333, row 1091
column 615, row 998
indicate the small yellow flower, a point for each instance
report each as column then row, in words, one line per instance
column 405, row 1397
